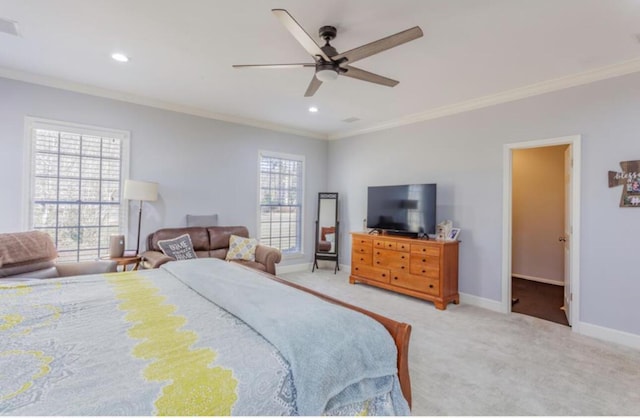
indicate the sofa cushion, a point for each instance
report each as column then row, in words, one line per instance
column 199, row 237
column 219, row 235
column 241, row 248
column 23, row 269
column 179, row 248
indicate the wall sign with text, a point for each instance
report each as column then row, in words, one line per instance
column 629, row 179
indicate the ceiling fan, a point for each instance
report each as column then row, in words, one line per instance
column 329, row 64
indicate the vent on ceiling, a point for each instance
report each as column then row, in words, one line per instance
column 351, row 119
column 9, row 27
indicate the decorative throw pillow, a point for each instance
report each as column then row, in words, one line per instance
column 242, row 248
column 180, row 248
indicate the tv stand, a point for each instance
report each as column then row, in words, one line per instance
column 424, row 269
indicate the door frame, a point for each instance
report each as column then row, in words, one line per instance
column 574, row 142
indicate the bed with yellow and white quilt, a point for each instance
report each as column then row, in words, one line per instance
column 196, row 337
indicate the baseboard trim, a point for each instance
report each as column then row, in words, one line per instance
column 492, row 305
column 538, row 279
column 609, row 334
column 292, row 268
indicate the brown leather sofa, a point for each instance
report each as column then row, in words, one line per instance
column 211, row 241
column 32, row 255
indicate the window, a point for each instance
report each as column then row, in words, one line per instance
column 76, row 175
column 281, row 196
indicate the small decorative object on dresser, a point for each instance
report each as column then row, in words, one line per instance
column 443, row 229
column 424, row 269
column 453, row 234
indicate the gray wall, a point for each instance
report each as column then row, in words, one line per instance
column 203, row 166
column 463, row 154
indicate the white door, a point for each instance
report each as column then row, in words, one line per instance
column 567, row 232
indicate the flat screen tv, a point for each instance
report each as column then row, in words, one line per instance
column 405, row 210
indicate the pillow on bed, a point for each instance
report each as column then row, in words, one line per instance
column 180, row 248
column 242, row 248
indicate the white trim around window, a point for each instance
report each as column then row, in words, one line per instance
column 88, row 136
column 289, row 199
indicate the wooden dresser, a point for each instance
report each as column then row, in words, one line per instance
column 425, row 269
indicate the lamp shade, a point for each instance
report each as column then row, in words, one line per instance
column 140, row 190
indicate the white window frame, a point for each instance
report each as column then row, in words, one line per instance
column 301, row 158
column 28, row 184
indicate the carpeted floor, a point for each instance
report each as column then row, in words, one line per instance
column 472, row 361
column 541, row 300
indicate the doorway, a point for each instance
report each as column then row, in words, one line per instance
column 541, row 239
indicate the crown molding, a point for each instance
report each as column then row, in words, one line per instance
column 585, row 77
column 146, row 101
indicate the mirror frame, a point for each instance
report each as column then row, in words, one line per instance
column 324, row 255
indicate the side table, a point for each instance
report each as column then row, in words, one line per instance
column 125, row 261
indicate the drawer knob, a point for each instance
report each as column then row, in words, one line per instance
column 377, row 262
column 361, row 259
column 384, row 275
column 424, row 271
column 424, row 260
column 357, row 268
column 402, row 267
column 402, row 257
column 431, row 286
column 395, row 278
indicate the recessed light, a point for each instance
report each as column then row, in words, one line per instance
column 120, row 57
column 313, row 109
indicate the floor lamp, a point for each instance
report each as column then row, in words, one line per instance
column 143, row 191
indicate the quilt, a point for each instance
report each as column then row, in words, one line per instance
column 181, row 341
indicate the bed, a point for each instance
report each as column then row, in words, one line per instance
column 195, row 337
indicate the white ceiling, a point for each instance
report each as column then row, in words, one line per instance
column 182, row 52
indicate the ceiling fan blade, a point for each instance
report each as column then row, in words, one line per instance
column 354, row 72
column 273, row 65
column 380, row 45
column 313, row 87
column 301, row 36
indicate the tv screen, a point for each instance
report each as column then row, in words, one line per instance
column 409, row 209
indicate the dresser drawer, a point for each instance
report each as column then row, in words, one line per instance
column 425, row 249
column 414, row 282
column 381, row 243
column 390, row 259
column 368, row 272
column 363, row 241
column 361, row 258
column 403, row 246
column 361, row 249
column 425, row 266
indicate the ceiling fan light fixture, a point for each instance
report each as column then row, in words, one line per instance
column 120, row 57
column 326, row 74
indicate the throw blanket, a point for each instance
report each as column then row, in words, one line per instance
column 337, row 356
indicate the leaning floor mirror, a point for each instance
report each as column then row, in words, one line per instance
column 327, row 230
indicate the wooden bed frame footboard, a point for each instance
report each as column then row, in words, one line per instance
column 400, row 331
